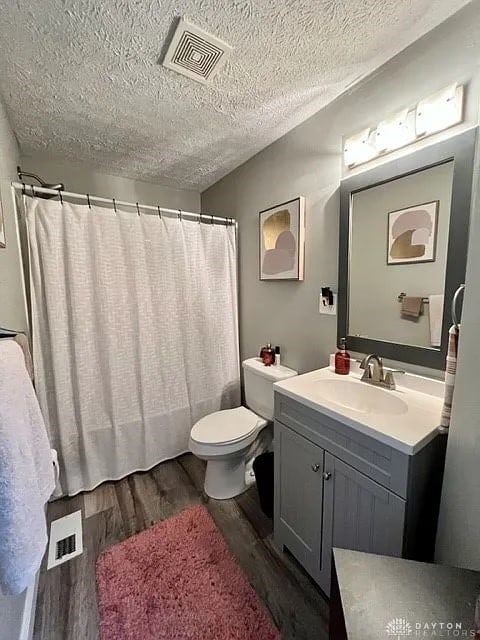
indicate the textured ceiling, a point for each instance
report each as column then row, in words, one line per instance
column 82, row 80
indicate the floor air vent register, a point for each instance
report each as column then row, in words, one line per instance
column 65, row 539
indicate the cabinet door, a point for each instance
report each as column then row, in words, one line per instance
column 359, row 514
column 298, row 497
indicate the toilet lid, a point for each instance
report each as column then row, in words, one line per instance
column 225, row 426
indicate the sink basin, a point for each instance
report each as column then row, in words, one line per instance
column 404, row 419
column 360, row 397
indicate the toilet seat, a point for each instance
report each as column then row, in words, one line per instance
column 226, row 427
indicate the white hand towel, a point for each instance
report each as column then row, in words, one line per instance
column 26, row 473
column 435, row 309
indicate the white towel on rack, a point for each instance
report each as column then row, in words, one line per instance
column 26, row 473
column 435, row 309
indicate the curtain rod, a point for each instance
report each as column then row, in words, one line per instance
column 201, row 217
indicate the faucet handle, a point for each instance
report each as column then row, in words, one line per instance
column 389, row 378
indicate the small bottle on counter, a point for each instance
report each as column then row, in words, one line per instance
column 342, row 359
column 277, row 355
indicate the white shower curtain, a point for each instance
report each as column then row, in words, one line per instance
column 135, row 334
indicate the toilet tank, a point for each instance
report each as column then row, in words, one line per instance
column 259, row 381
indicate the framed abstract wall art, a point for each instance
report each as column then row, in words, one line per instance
column 282, row 241
column 412, row 234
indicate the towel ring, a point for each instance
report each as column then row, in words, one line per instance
column 454, row 305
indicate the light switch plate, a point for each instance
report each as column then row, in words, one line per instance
column 328, row 310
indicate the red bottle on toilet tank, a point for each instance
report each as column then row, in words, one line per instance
column 267, row 355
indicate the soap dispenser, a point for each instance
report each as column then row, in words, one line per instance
column 342, row 359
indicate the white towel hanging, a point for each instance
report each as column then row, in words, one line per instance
column 26, row 473
column 435, row 309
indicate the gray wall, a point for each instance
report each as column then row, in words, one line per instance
column 12, row 314
column 374, row 285
column 83, row 179
column 458, row 541
column 307, row 161
column 12, row 302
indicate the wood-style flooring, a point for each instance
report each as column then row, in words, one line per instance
column 66, row 605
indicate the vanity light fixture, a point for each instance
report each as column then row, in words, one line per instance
column 439, row 111
column 396, row 132
column 359, row 148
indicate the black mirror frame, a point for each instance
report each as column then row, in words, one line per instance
column 460, row 149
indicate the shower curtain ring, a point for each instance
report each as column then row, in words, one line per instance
column 199, row 218
column 180, row 215
column 159, row 212
column 88, row 200
column 114, row 205
column 23, row 188
column 211, row 219
column 60, row 196
column 138, row 210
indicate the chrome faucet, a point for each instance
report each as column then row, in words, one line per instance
column 375, row 373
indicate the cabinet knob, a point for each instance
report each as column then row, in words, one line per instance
column 315, row 467
column 327, row 475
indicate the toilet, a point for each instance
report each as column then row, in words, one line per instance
column 227, row 439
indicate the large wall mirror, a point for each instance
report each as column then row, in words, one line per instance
column 403, row 247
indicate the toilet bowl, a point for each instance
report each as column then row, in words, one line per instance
column 228, row 439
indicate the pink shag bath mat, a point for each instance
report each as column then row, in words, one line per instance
column 178, row 581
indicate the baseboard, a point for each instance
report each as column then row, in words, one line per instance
column 28, row 618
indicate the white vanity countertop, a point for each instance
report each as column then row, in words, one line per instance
column 406, row 431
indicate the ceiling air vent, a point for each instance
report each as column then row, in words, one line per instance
column 195, row 53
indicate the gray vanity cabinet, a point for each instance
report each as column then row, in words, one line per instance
column 299, row 521
column 359, row 514
column 337, row 487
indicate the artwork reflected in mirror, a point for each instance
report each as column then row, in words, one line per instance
column 412, row 234
column 281, row 241
column 398, row 255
